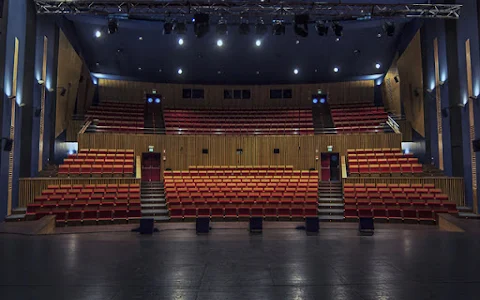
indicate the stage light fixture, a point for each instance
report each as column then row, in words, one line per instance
column 336, row 69
column 323, row 100
column 180, row 27
column 258, row 43
column 315, row 100
column 112, row 26
column 301, row 25
column 322, row 28
column 222, row 28
column 337, row 28
column 389, row 28
column 244, row 28
column 157, row 100
column 167, row 27
column 180, row 71
column 260, row 28
column 180, row 41
column 278, row 27
column 219, row 43
column 377, row 66
column 295, row 71
column 98, row 34
column 150, row 100
column 201, row 24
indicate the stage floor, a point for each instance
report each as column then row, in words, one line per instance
column 398, row 262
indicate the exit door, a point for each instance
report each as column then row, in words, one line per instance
column 330, row 166
column 151, row 166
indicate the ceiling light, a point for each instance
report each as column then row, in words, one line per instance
column 112, row 26
column 301, row 25
column 295, row 71
column 337, row 28
column 222, row 28
column 180, row 71
column 157, row 100
column 377, row 65
column 140, row 38
column 278, row 27
column 389, row 28
column 150, row 100
column 260, row 28
column 201, row 24
column 244, row 28
column 180, row 27
column 258, row 43
column 322, row 28
column 167, row 28
column 337, row 39
column 323, row 100
column 379, row 35
column 315, row 100
column 219, row 43
column 98, row 34
column 180, row 41
column 336, row 69
column 258, row 72
column 139, row 68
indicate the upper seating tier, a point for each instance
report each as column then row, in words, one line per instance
column 350, row 118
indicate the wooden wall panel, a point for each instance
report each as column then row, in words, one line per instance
column 454, row 187
column 68, row 76
column 411, row 83
column 29, row 188
column 391, row 90
column 183, row 151
column 73, row 128
column 340, row 92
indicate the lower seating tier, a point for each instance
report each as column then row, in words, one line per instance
column 178, row 212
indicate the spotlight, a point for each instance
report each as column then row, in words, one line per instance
column 337, row 28
column 260, row 28
column 278, row 27
column 389, row 28
column 295, row 71
column 377, row 66
column 258, row 43
column 180, row 27
column 112, row 26
column 244, row 28
column 180, row 41
column 180, row 71
column 301, row 25
column 98, row 34
column 219, row 43
column 150, row 100
column 315, row 100
column 157, row 100
column 336, row 69
column 222, row 27
column 201, row 25
column 323, row 100
column 167, row 28
column 322, row 28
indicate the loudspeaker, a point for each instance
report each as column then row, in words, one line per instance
column 147, row 226
column 204, row 151
column 276, row 151
column 203, row 225
column 256, row 224
column 312, row 225
column 8, row 145
column 476, row 145
column 365, row 225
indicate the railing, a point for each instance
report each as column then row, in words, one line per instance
column 393, row 124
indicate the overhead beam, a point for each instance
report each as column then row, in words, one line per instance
column 245, row 8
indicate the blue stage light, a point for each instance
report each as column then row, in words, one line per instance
column 315, row 100
column 150, row 100
column 157, row 100
column 323, row 100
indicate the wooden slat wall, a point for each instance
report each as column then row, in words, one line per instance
column 29, row 188
column 339, row 92
column 182, row 151
column 452, row 186
column 73, row 128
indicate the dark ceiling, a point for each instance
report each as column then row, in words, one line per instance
column 157, row 57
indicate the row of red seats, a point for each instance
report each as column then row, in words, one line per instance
column 96, row 170
column 179, row 213
column 243, row 195
column 194, row 180
column 393, row 189
column 299, row 201
column 405, row 213
column 104, row 151
column 130, row 186
column 239, row 168
column 375, row 169
column 389, row 160
column 104, row 215
column 100, row 161
column 231, row 126
column 389, row 185
column 244, row 173
column 272, row 131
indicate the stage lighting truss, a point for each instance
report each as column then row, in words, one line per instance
column 254, row 9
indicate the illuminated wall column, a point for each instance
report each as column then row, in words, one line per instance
column 42, row 104
column 438, row 102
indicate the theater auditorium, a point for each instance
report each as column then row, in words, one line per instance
column 239, row 149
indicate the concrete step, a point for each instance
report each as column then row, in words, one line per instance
column 150, row 196
column 331, row 211
column 330, row 199
column 153, row 200
column 151, row 212
column 327, row 218
column 15, row 217
column 154, row 206
column 468, row 215
column 330, row 205
column 158, row 218
column 330, row 195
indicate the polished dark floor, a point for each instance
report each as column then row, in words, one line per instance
column 398, row 262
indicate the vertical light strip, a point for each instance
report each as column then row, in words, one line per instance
column 439, row 105
column 12, row 128
column 42, row 104
column 471, row 124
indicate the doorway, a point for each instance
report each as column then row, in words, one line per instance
column 151, row 166
column 330, row 166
